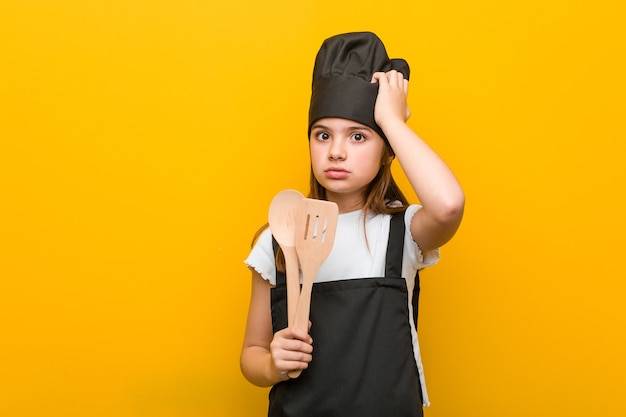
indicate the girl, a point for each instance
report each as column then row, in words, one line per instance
column 361, row 355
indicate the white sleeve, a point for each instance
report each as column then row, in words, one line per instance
column 261, row 257
column 414, row 254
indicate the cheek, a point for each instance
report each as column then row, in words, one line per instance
column 317, row 154
column 315, row 159
column 371, row 159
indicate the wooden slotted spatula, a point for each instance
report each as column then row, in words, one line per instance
column 316, row 223
column 282, row 221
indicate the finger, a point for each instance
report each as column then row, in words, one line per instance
column 302, row 342
column 289, row 343
column 294, row 360
column 392, row 76
column 294, row 345
column 299, row 334
column 285, row 366
column 296, row 366
column 400, row 80
column 380, row 77
column 294, row 356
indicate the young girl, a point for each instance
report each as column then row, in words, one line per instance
column 361, row 356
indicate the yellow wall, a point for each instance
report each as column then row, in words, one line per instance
column 142, row 141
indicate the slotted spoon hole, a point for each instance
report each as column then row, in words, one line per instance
column 315, row 227
column 312, row 228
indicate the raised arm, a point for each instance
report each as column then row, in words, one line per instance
column 434, row 183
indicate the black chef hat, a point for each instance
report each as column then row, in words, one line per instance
column 342, row 77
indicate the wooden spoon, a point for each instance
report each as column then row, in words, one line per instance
column 282, row 220
column 316, row 223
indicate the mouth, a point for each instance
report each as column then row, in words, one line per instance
column 337, row 173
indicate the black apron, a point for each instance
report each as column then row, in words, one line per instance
column 363, row 361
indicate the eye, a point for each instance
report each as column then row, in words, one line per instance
column 322, row 135
column 358, row 137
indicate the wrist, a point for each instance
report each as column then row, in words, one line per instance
column 392, row 127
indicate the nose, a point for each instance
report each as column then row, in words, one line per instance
column 337, row 151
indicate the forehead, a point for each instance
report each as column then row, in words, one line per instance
column 339, row 124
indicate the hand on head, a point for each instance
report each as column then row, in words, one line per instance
column 391, row 102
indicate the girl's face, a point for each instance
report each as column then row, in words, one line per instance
column 345, row 156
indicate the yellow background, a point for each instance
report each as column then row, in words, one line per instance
column 141, row 142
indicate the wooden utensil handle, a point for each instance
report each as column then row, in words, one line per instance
column 304, row 306
column 293, row 282
column 294, row 374
column 302, row 317
column 303, row 310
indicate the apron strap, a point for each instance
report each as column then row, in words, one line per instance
column 395, row 246
column 393, row 266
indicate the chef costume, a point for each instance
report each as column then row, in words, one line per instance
column 364, row 364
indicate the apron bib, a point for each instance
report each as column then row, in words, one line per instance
column 363, row 360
